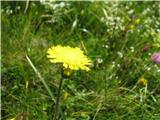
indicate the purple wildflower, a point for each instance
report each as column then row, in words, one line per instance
column 156, row 58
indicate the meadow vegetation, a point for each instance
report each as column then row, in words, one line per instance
column 118, row 36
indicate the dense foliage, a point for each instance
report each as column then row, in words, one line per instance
column 119, row 37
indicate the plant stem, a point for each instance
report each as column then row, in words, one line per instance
column 143, row 102
column 56, row 114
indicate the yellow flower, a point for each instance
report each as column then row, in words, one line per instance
column 13, row 119
column 65, row 96
column 143, row 81
column 72, row 58
column 137, row 21
column 132, row 27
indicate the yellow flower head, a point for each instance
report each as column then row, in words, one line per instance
column 143, row 81
column 72, row 58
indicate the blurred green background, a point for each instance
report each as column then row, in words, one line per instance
column 119, row 37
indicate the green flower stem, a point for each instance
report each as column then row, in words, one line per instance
column 143, row 97
column 56, row 114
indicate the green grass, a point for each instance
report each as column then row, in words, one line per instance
column 109, row 34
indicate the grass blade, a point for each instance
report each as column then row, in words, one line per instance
column 40, row 77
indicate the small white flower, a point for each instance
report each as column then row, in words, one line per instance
column 99, row 60
column 62, row 4
column 102, row 19
column 158, row 30
column 106, row 46
column 132, row 49
column 116, row 27
column 130, row 12
column 113, row 64
column 117, row 18
column 54, row 6
column 120, row 54
column 18, row 7
column 118, row 65
column 42, row 1
column 148, row 68
column 148, row 9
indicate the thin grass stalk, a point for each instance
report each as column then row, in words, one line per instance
column 41, row 78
